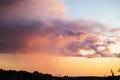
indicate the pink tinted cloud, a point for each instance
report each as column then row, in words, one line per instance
column 33, row 8
column 40, row 26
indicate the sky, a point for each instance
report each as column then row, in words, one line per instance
column 60, row 37
column 104, row 11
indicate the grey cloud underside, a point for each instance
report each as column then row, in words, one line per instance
column 88, row 44
column 14, row 36
column 4, row 3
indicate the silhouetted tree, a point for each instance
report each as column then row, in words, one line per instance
column 112, row 73
column 23, row 75
column 118, row 70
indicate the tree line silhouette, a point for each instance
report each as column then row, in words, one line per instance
column 24, row 75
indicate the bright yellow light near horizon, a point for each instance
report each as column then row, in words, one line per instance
column 72, row 66
column 86, row 52
column 101, row 48
column 115, row 48
column 87, row 66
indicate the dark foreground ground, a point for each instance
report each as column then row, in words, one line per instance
column 23, row 75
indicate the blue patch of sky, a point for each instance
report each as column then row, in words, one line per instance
column 103, row 11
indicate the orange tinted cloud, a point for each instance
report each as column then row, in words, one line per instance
column 37, row 26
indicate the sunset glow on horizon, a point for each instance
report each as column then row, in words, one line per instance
column 60, row 37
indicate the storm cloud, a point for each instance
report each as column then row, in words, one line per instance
column 8, row 2
column 42, row 26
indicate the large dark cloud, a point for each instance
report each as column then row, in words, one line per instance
column 34, row 29
column 20, row 35
column 15, row 33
